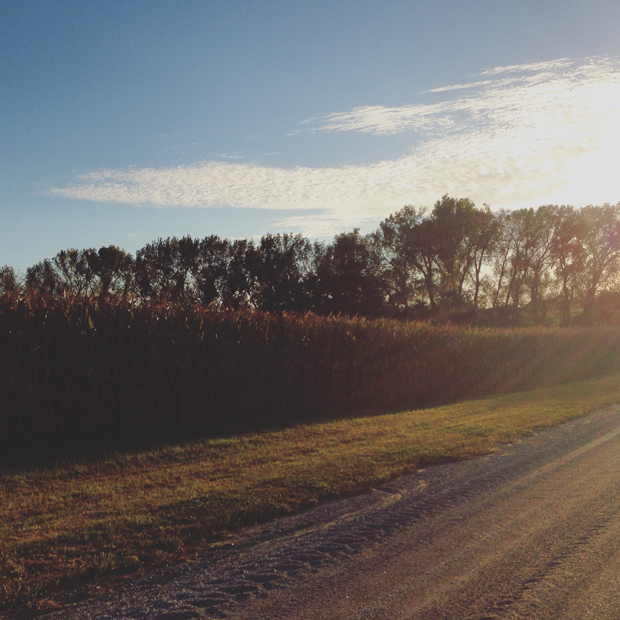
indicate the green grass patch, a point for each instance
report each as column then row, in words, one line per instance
column 72, row 523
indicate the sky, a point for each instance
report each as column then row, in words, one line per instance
column 123, row 122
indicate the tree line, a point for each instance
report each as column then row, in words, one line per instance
column 450, row 260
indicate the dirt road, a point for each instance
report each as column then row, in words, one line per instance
column 532, row 531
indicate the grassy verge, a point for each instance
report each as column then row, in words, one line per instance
column 82, row 521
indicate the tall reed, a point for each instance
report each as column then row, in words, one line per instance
column 81, row 369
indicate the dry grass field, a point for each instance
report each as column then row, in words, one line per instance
column 93, row 520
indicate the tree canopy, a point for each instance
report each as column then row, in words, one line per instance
column 419, row 263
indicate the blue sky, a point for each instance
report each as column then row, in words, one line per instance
column 122, row 122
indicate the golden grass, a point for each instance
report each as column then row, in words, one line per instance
column 74, row 522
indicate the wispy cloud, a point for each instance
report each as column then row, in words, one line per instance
column 559, row 64
column 545, row 132
column 533, row 97
column 444, row 89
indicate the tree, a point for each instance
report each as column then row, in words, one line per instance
column 42, row 279
column 9, row 282
column 500, row 256
column 68, row 273
column 539, row 261
column 104, row 272
column 73, row 273
column 238, row 289
column 279, row 269
column 167, row 269
column 567, row 252
column 453, row 223
column 349, row 277
column 522, row 256
column 212, row 268
column 481, row 241
column 395, row 239
column 601, row 244
column 112, row 271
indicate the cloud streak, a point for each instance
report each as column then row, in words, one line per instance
column 534, row 97
column 544, row 131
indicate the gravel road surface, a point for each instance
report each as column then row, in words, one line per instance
column 531, row 531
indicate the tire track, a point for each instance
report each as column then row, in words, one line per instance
column 271, row 561
column 551, row 574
